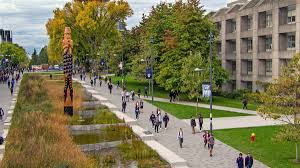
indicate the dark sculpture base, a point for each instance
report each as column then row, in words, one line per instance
column 68, row 111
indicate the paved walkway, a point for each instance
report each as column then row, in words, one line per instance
column 192, row 151
column 206, row 106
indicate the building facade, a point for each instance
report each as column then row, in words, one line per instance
column 257, row 37
column 5, row 36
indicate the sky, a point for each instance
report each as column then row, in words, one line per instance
column 27, row 18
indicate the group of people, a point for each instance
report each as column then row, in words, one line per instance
column 157, row 120
column 173, row 95
column 193, row 123
column 248, row 161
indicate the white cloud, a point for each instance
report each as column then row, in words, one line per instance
column 27, row 18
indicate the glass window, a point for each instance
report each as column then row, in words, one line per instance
column 249, row 45
column 249, row 22
column 269, row 22
column 233, row 67
column 268, row 66
column 291, row 41
column 268, row 43
column 233, row 46
column 249, row 85
column 249, row 66
column 291, row 14
column 233, row 26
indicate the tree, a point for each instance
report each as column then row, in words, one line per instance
column 13, row 52
column 93, row 25
column 281, row 101
column 34, row 58
column 43, row 56
column 177, row 31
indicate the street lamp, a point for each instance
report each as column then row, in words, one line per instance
column 151, row 62
column 121, row 28
column 211, row 36
column 199, row 71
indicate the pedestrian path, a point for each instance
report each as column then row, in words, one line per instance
column 7, row 102
column 231, row 109
column 193, row 151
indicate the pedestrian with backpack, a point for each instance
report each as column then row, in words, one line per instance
column 166, row 120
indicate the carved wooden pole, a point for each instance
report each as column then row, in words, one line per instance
column 68, row 70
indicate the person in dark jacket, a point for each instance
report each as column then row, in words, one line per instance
column 200, row 121
column 166, row 120
column 193, row 124
column 139, row 93
column 1, row 113
column 152, row 119
column 249, row 161
column 124, row 106
column 240, row 161
column 156, row 124
column 245, row 103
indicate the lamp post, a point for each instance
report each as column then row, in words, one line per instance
column 199, row 71
column 152, row 76
column 211, row 36
column 121, row 28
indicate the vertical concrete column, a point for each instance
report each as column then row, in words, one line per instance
column 275, row 39
column 225, row 87
column 255, row 50
column 238, row 52
column 297, row 26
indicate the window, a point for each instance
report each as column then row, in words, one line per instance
column 291, row 14
column 249, row 67
column 291, row 41
column 233, row 26
column 249, row 45
column 249, row 22
column 233, row 67
column 249, row 85
column 219, row 48
column 269, row 22
column 268, row 66
column 268, row 43
column 233, row 46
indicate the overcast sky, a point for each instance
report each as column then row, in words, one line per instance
column 27, row 18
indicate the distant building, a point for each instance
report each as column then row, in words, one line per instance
column 257, row 37
column 5, row 36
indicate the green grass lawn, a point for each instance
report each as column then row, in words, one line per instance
column 273, row 154
column 132, row 83
column 185, row 111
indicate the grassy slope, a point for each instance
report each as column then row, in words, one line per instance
column 273, row 154
column 185, row 112
column 160, row 92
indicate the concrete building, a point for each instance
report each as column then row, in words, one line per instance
column 5, row 36
column 257, row 37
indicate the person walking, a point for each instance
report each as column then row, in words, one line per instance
column 1, row 113
column 8, row 82
column 137, row 110
column 152, row 119
column 240, row 161
column 95, row 80
column 200, row 121
column 139, row 93
column 118, row 84
column 92, row 82
column 180, row 137
column 249, row 161
column 100, row 82
column 193, row 124
column 158, row 112
column 171, row 96
column 81, row 77
column 156, row 124
column 166, row 120
column 245, row 104
column 211, row 143
column 141, row 104
column 124, row 104
column 127, row 94
column 205, row 138
column 11, row 90
column 146, row 91
column 123, row 95
column 110, row 87
column 132, row 94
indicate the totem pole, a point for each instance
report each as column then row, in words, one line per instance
column 68, row 70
